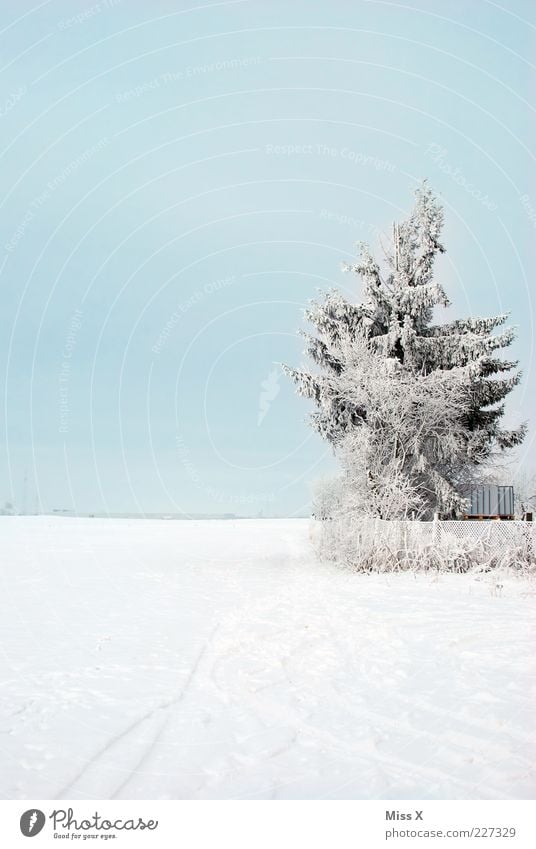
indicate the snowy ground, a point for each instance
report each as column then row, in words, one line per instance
column 146, row 659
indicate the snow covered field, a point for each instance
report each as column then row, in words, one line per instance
column 154, row 659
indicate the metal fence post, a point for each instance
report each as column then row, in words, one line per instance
column 436, row 536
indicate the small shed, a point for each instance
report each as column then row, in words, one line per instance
column 490, row 502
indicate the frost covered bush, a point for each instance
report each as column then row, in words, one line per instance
column 374, row 545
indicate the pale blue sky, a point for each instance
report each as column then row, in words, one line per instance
column 178, row 179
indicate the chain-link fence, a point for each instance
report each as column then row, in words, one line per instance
column 379, row 544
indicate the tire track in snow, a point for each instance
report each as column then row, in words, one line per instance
column 118, row 738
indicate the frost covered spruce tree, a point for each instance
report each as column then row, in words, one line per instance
column 412, row 407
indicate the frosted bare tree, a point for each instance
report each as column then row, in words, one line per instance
column 409, row 447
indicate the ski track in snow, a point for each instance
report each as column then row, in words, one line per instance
column 145, row 659
column 66, row 791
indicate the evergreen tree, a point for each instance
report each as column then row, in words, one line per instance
column 396, row 319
